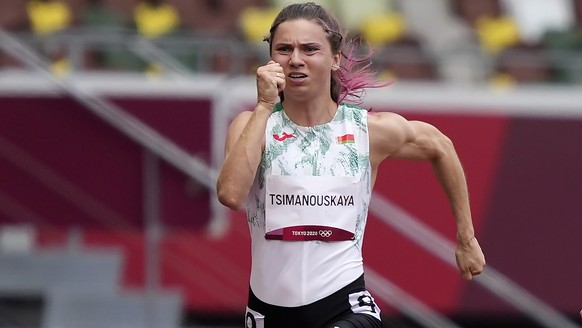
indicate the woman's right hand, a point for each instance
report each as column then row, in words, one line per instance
column 270, row 81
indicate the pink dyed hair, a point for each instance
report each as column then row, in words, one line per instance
column 355, row 76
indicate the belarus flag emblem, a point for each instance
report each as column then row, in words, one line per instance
column 346, row 138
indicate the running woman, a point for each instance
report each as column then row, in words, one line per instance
column 303, row 164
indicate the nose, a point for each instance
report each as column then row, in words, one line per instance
column 295, row 59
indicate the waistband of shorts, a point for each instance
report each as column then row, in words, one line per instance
column 332, row 306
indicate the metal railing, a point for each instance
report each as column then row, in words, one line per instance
column 182, row 52
column 119, row 49
column 112, row 114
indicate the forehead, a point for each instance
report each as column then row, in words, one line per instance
column 301, row 31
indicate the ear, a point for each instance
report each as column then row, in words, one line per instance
column 336, row 62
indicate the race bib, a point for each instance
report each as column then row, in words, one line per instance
column 300, row 208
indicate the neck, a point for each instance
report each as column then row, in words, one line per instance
column 310, row 113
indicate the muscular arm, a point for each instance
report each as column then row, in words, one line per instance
column 391, row 136
column 244, row 146
column 245, row 140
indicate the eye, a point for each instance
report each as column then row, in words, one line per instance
column 283, row 49
column 311, row 49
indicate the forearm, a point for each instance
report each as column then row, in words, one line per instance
column 242, row 160
column 447, row 167
column 451, row 177
column 425, row 142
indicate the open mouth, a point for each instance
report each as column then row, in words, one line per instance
column 297, row 76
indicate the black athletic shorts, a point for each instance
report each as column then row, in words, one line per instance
column 349, row 307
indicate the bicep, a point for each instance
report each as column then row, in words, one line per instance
column 423, row 142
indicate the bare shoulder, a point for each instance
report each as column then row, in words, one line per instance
column 386, row 122
column 387, row 133
column 391, row 135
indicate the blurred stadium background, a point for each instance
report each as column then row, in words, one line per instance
column 113, row 115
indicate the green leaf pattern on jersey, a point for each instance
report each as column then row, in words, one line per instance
column 252, row 216
column 315, row 144
column 315, row 151
column 274, row 151
column 354, row 115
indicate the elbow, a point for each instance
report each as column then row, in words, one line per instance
column 443, row 148
column 446, row 145
column 231, row 202
column 230, row 199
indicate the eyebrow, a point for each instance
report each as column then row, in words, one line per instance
column 306, row 44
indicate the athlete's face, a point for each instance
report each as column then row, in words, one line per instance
column 301, row 47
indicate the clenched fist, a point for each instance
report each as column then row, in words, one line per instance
column 270, row 81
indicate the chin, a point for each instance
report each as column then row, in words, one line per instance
column 299, row 96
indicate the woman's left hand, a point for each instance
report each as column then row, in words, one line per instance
column 470, row 258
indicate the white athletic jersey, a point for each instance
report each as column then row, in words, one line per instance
column 313, row 186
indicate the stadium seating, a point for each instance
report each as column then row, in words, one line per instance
column 444, row 40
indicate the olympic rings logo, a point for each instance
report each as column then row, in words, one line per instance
column 325, row 233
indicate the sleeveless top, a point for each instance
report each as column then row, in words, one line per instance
column 308, row 206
